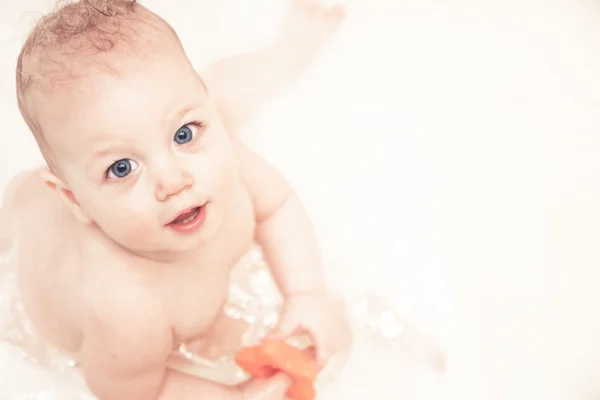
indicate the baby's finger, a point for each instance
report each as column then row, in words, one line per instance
column 329, row 346
column 311, row 352
column 287, row 326
column 321, row 347
column 323, row 356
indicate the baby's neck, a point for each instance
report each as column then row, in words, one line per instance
column 171, row 260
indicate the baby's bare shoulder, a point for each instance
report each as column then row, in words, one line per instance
column 21, row 188
column 28, row 202
column 16, row 203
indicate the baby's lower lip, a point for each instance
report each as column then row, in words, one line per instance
column 192, row 223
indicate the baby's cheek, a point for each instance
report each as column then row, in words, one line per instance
column 214, row 171
column 126, row 221
column 134, row 229
column 226, row 164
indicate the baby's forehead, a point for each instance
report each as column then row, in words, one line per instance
column 136, row 94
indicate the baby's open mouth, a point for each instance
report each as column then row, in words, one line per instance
column 186, row 217
column 189, row 221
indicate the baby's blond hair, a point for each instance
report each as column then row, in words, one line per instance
column 75, row 34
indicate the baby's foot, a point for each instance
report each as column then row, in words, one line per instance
column 311, row 23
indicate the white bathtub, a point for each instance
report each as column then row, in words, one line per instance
column 448, row 152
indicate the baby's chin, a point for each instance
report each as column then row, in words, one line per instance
column 162, row 243
column 139, row 240
column 158, row 248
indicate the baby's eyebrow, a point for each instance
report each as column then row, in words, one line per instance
column 103, row 151
column 178, row 116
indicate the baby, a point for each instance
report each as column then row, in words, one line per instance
column 126, row 241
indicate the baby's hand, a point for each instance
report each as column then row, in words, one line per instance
column 323, row 320
column 273, row 388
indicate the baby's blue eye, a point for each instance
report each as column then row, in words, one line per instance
column 121, row 169
column 184, row 135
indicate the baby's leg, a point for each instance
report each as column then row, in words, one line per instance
column 241, row 85
column 309, row 25
column 180, row 386
column 274, row 388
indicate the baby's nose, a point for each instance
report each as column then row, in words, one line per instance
column 172, row 183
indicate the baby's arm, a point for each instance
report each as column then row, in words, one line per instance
column 124, row 356
column 284, row 230
column 243, row 84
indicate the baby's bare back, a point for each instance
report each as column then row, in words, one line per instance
column 69, row 271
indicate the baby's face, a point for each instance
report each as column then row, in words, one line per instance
column 145, row 153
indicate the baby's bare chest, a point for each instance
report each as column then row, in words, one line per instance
column 194, row 308
column 195, row 302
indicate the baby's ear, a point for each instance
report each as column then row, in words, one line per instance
column 57, row 184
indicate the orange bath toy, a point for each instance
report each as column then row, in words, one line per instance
column 273, row 356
